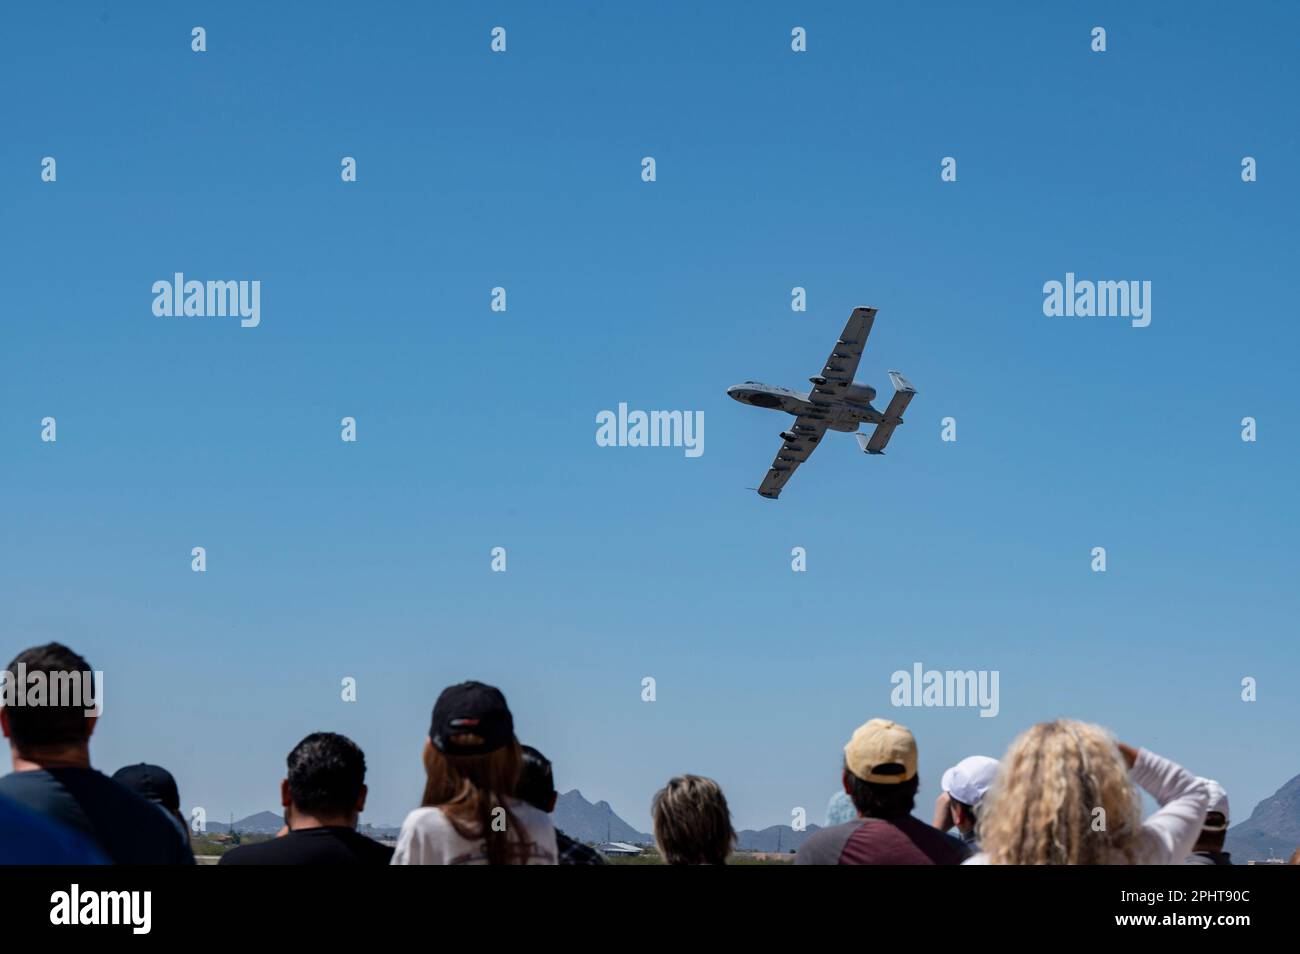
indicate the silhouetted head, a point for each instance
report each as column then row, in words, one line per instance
column 536, row 781
column 50, row 698
column 326, row 779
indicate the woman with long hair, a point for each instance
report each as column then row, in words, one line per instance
column 1066, row 794
column 469, row 815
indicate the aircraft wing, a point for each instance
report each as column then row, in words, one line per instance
column 892, row 417
column 845, row 356
column 808, row 434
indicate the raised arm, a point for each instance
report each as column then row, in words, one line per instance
column 1169, row 835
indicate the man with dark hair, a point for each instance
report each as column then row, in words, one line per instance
column 880, row 777
column 323, row 795
column 48, row 717
column 537, row 788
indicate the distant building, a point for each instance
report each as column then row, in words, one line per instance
column 618, row 848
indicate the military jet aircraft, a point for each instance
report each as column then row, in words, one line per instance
column 835, row 403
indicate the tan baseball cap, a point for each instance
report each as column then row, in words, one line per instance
column 878, row 743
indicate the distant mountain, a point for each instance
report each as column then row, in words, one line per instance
column 263, row 823
column 777, row 838
column 1272, row 830
column 268, row 823
column 580, row 819
column 576, row 817
column 583, row 821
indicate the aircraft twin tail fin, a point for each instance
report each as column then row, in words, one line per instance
column 893, row 416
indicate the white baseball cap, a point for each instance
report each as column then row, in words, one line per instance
column 1218, row 803
column 969, row 779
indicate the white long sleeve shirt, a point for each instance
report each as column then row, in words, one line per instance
column 1167, row 837
column 429, row 838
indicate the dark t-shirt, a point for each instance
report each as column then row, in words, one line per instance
column 1209, row 858
column 27, row 838
column 570, row 852
column 130, row 830
column 880, row 841
column 312, row 846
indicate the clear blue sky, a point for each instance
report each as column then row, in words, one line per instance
column 476, row 429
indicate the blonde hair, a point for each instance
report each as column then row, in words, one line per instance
column 692, row 824
column 1042, row 809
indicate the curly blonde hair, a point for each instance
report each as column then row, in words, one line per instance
column 1042, row 807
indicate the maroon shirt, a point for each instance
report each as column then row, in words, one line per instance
column 881, row 841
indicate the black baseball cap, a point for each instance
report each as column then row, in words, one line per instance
column 152, row 782
column 471, row 719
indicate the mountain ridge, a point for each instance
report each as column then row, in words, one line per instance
column 1272, row 830
column 597, row 823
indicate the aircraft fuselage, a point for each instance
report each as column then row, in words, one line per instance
column 845, row 415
